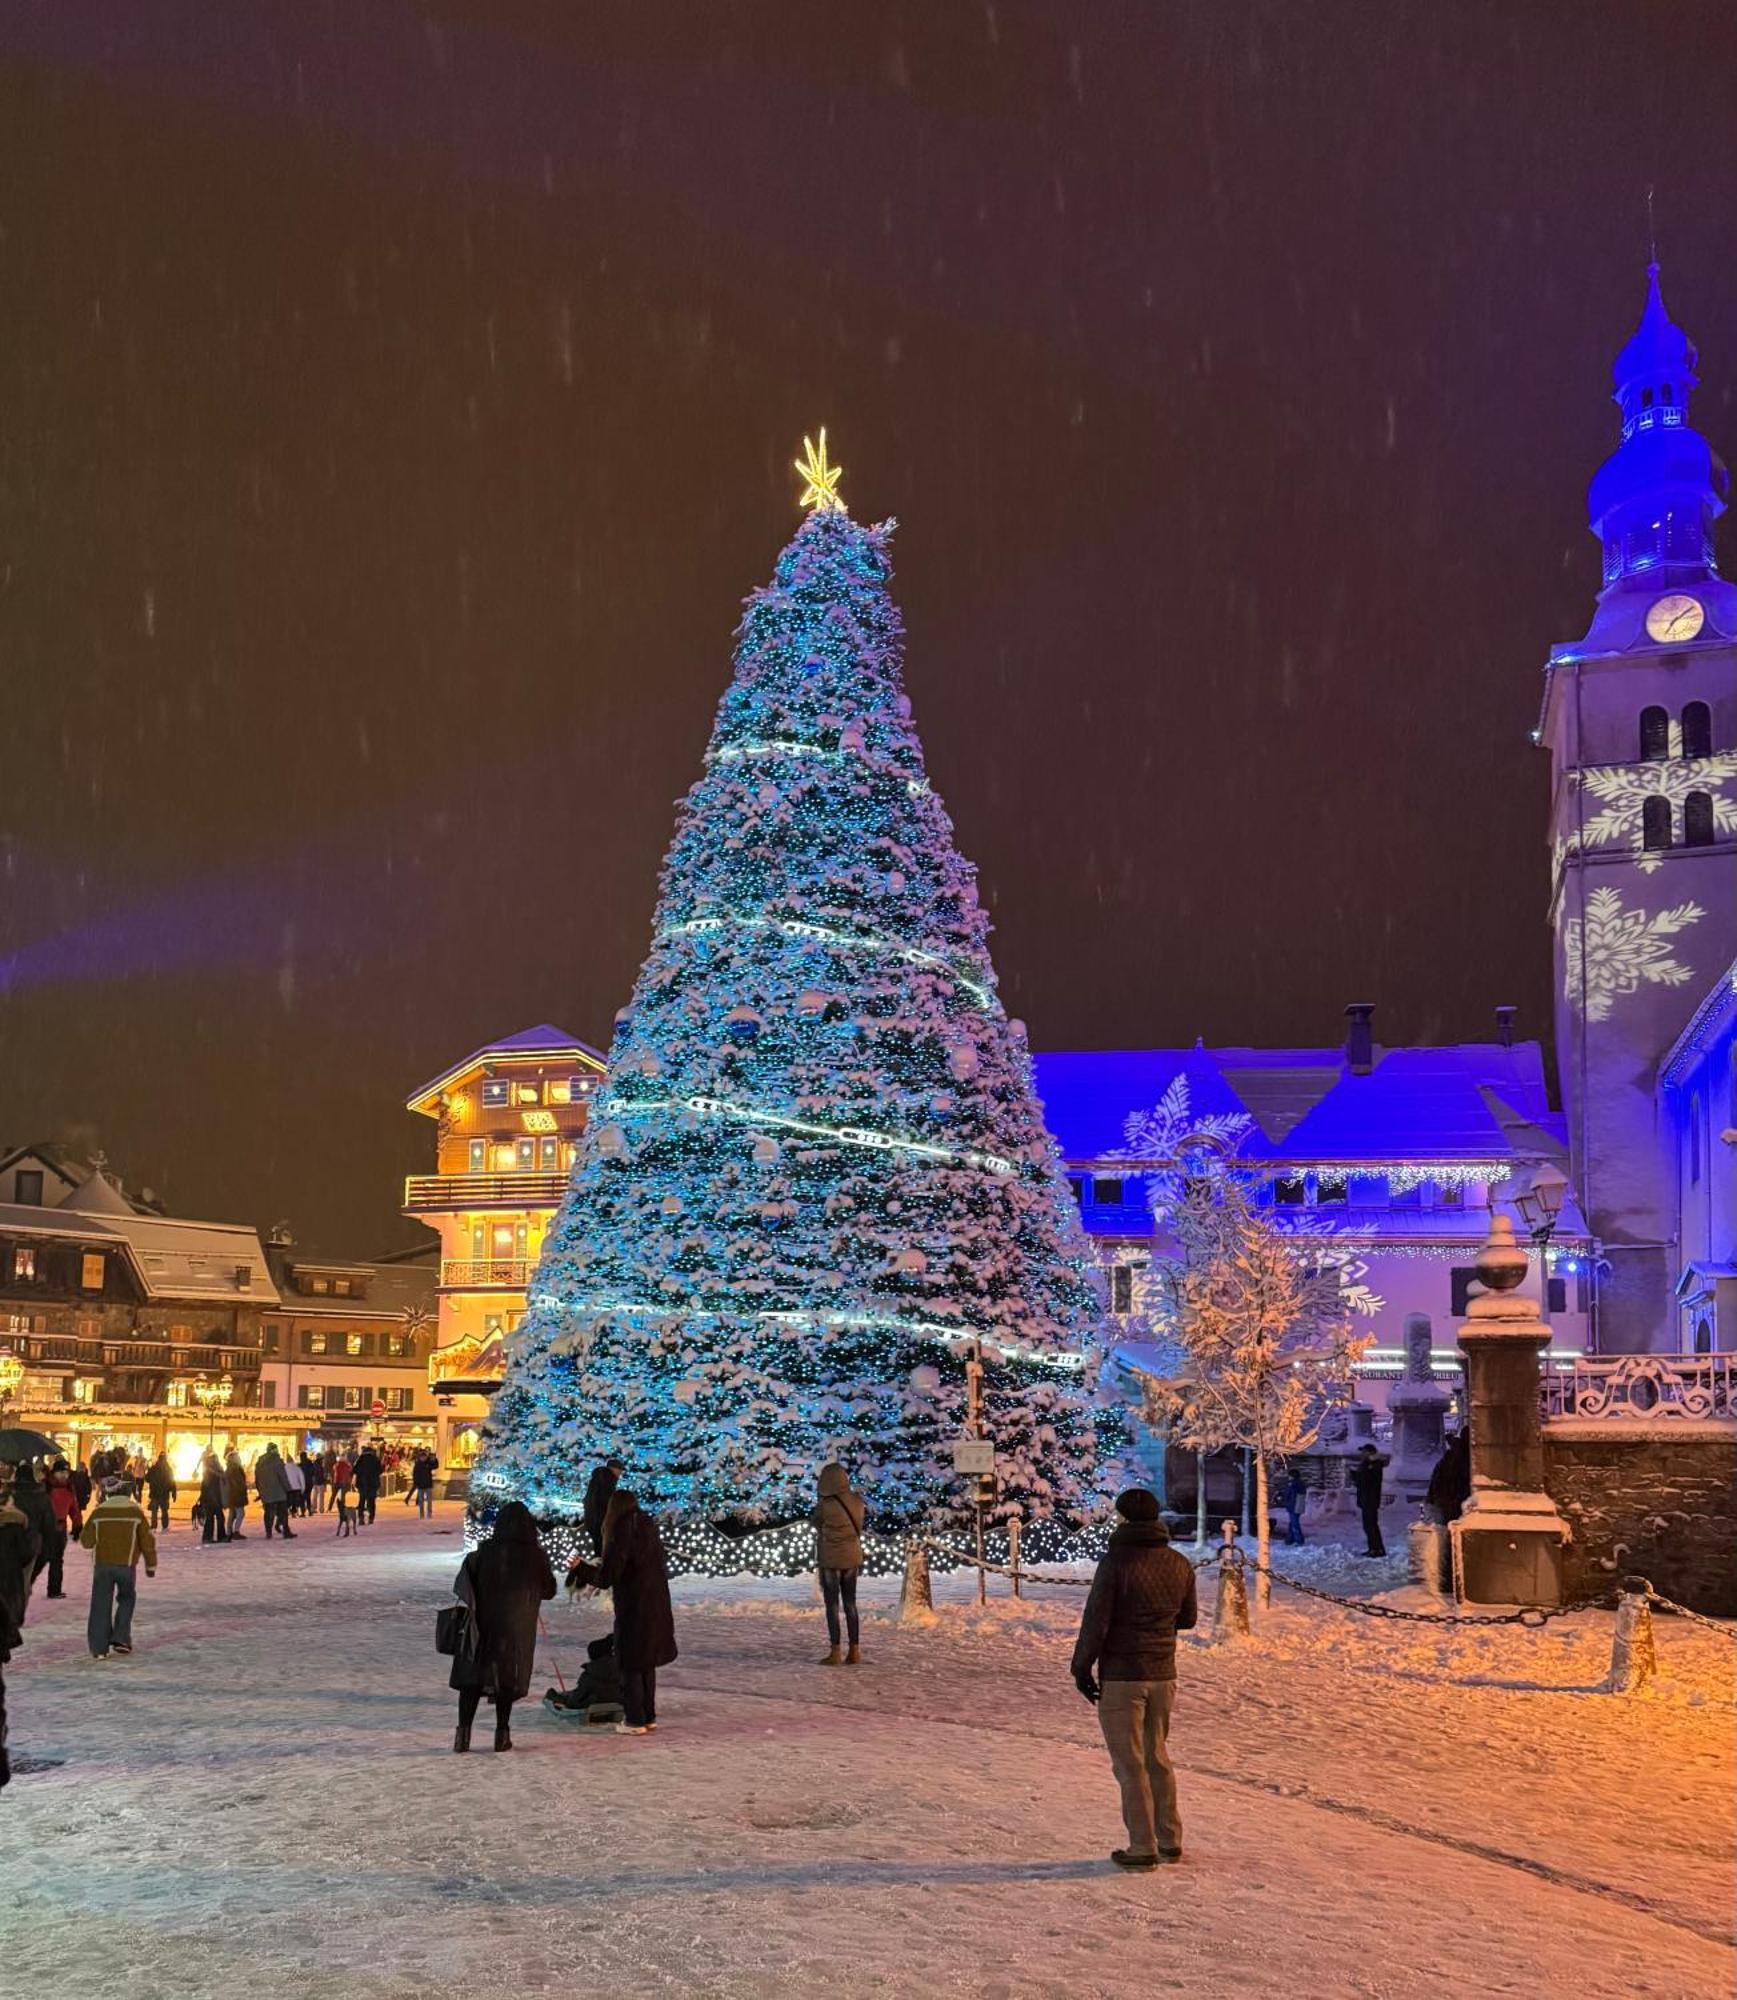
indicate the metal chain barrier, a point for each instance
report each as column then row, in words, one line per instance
column 1723, row 1627
column 1532, row 1617
column 1020, row 1575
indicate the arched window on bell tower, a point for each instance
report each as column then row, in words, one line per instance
column 1656, row 822
column 1655, row 735
column 1697, row 730
column 1698, row 820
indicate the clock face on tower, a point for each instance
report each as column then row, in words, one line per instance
column 1674, row 619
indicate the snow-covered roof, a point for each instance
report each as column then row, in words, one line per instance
column 210, row 1261
column 401, row 1290
column 1466, row 1101
column 527, row 1045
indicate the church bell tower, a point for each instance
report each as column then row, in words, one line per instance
column 1640, row 719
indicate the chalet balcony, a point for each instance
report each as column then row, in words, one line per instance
column 487, row 1274
column 426, row 1194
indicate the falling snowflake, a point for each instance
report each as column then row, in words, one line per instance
column 1623, row 790
column 1611, row 952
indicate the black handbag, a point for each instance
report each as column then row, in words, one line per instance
column 454, row 1630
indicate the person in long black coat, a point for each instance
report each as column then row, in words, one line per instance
column 599, row 1491
column 635, row 1569
column 505, row 1583
column 31, row 1500
column 214, row 1500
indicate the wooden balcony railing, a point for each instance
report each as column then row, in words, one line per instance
column 423, row 1192
column 487, row 1274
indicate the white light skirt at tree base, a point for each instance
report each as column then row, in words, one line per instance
column 698, row 1548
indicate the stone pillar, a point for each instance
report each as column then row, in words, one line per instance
column 1508, row 1542
column 1418, row 1406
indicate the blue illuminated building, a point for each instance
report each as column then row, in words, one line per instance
column 1640, row 718
column 1399, row 1155
column 1698, row 1115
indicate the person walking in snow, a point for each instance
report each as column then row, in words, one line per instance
column 213, row 1500
column 119, row 1537
column 296, row 1481
column 160, row 1489
column 316, row 1464
column 29, row 1497
column 1291, row 1497
column 235, row 1492
column 1366, row 1484
column 68, row 1519
column 1125, row 1663
column 273, row 1490
column 505, row 1583
column 81, row 1484
column 422, row 1471
column 369, row 1472
column 838, row 1519
column 635, row 1568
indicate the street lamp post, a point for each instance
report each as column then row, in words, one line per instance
column 212, row 1397
column 1539, row 1206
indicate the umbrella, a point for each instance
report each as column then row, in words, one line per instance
column 16, row 1446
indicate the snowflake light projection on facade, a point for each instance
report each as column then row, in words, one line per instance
column 1612, row 952
column 1158, row 1138
column 1623, row 791
column 816, row 1170
column 1172, row 1140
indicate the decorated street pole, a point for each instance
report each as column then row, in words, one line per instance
column 1508, row 1542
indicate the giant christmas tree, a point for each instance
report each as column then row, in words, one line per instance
column 816, row 1170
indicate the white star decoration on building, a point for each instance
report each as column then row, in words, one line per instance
column 1623, row 790
column 1612, row 952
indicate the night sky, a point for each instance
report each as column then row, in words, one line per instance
column 397, row 401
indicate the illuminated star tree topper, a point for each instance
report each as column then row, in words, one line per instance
column 821, row 491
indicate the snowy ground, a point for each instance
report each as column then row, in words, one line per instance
column 263, row 1801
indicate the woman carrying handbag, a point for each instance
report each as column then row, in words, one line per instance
column 502, row 1584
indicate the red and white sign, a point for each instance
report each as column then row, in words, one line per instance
column 376, row 1409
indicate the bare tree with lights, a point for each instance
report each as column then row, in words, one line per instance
column 1265, row 1328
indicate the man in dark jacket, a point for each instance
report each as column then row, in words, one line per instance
column 1366, row 1483
column 1450, row 1484
column 1141, row 1597
column 161, row 1488
column 273, row 1490
column 368, row 1472
column 32, row 1502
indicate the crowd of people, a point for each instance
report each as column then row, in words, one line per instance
column 286, row 1487
column 1124, row 1660
column 119, row 1502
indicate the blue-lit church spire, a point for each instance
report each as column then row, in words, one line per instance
column 1653, row 502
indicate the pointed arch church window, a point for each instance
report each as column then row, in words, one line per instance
column 1698, row 820
column 1656, row 822
column 1697, row 730
column 1655, row 735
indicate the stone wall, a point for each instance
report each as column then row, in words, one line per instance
column 1648, row 1497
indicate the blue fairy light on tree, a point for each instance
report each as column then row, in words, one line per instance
column 817, row 1170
